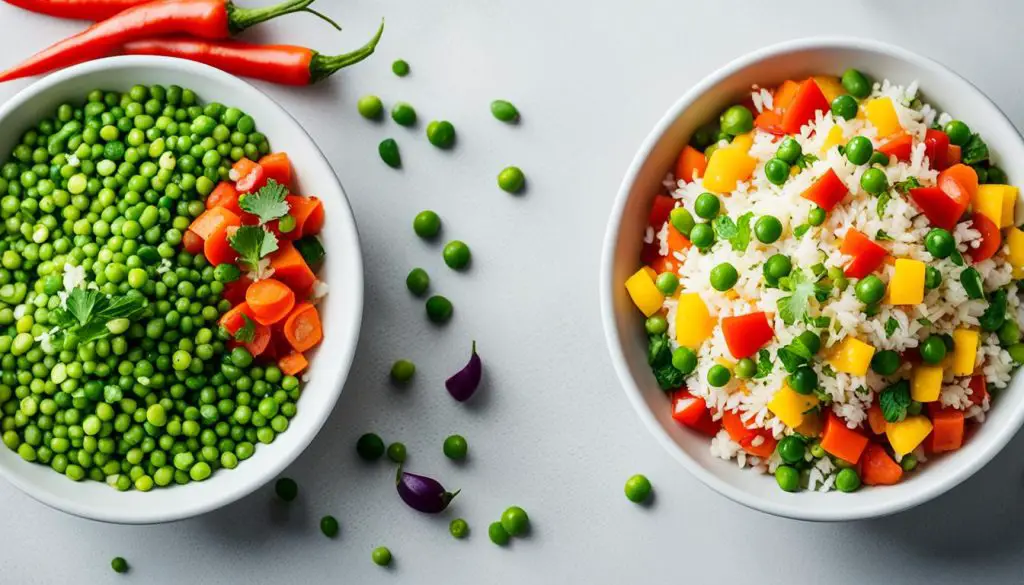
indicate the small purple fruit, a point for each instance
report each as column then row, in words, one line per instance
column 464, row 383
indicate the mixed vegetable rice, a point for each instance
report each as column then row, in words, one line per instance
column 830, row 282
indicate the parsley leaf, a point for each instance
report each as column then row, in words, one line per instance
column 725, row 228
column 252, row 243
column 88, row 312
column 925, row 322
column 975, row 151
column 906, row 185
column 794, row 307
column 668, row 377
column 891, row 326
column 801, row 229
column 742, row 238
column 247, row 332
column 995, row 315
column 81, row 302
column 957, row 258
column 828, row 371
column 894, row 401
column 268, row 203
column 821, row 321
column 764, row 364
column 800, row 349
column 790, row 361
column 883, row 201
column 659, row 352
column 882, row 236
column 805, row 161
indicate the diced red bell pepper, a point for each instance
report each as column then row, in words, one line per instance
column 746, row 437
column 676, row 241
column 936, row 148
column 867, row 255
column 769, row 121
column 960, row 183
column 693, row 412
column 827, row 191
column 745, row 334
column 876, row 419
column 979, row 391
column 991, row 238
column 947, row 429
column 899, row 146
column 954, row 154
column 665, row 264
column 808, row 100
column 939, row 208
column 660, row 209
column 878, row 468
column 842, row 441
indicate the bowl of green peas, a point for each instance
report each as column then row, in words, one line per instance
column 121, row 398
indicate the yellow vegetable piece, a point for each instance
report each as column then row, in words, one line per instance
column 742, row 142
column 926, row 383
column 650, row 271
column 833, row 139
column 906, row 435
column 645, row 295
column 907, row 284
column 852, row 356
column 988, row 201
column 882, row 116
column 789, row 406
column 1015, row 240
column 812, row 425
column 965, row 351
column 727, row 167
column 830, row 86
column 693, row 322
column 1010, row 195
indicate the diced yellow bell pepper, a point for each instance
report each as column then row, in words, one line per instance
column 789, row 406
column 742, row 141
column 907, row 284
column 882, row 116
column 651, row 272
column 830, row 86
column 1010, row 196
column 965, row 351
column 906, row 435
column 926, row 383
column 832, row 139
column 1015, row 240
column 645, row 295
column 812, row 425
column 693, row 322
column 988, row 201
column 852, row 356
column 727, row 167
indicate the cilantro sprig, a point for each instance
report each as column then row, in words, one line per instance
column 252, row 243
column 268, row 203
column 803, row 288
column 88, row 313
column 247, row 332
column 894, row 401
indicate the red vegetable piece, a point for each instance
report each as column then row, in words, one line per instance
column 979, row 392
column 991, row 238
column 745, row 334
column 939, row 208
column 947, row 429
column 217, row 249
column 693, row 412
column 936, row 148
column 234, row 292
column 224, row 196
column 867, row 255
column 769, row 121
column 277, row 166
column 899, row 146
column 808, row 100
column 747, row 437
column 842, row 441
column 252, row 181
column 878, row 468
column 827, row 191
column 954, row 154
column 662, row 206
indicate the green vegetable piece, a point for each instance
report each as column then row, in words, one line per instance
column 885, row 362
column 439, row 309
column 971, row 281
column 400, row 68
column 504, row 111
column 745, row 368
column 285, row 488
column 874, row 181
column 667, row 283
column 995, row 314
column 858, row 150
column 497, row 533
column 702, row 236
column 804, row 380
column 655, row 325
column 370, row 107
column 777, row 266
column 638, row 489
column 933, row 350
column 932, row 277
column 402, row 371
column 870, row 289
column 718, row 375
column 788, row 478
column 816, row 216
column 312, row 251
column 1009, row 333
column 456, row 447
column 381, row 556
column 844, row 107
column 736, row 120
column 119, row 565
column 252, row 243
column 777, row 171
column 458, row 528
column 396, row 452
column 723, row 276
column 227, row 273
column 939, row 243
column 268, row 203
column 403, row 114
column 856, row 83
column 370, row 447
column 515, row 521
column 682, row 220
column 1016, row 352
column 441, row 133
column 418, row 281
column 894, row 401
column 958, row 132
column 768, row 229
column 684, row 359
column 388, row 150
column 791, row 449
column 847, row 480
column 511, row 179
column 456, row 255
column 329, row 526
column 707, row 206
column 789, row 150
column 909, row 462
column 427, row 224
column 975, row 152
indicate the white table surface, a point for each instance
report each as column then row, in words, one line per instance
column 552, row 430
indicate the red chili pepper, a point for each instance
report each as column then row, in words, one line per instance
column 284, row 64
column 827, row 191
column 208, row 19
column 77, row 9
column 745, row 334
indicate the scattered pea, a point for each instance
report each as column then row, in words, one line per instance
column 388, row 150
column 370, row 107
column 417, row 281
column 329, row 526
column 456, row 254
column 504, row 111
column 285, row 488
column 458, row 528
column 455, row 447
column 511, row 179
column 427, row 224
column 441, row 133
column 370, row 447
column 402, row 371
column 638, row 489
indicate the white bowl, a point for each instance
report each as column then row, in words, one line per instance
column 624, row 324
column 341, row 310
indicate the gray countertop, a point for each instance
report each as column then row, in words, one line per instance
column 552, row 431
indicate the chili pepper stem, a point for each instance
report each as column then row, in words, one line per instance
column 240, row 19
column 322, row 66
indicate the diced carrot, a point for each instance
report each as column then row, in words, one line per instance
column 677, row 242
column 691, row 162
column 213, row 219
column 234, row 318
column 234, row 292
column 224, row 195
column 217, row 248
column 270, row 300
column 876, row 420
column 260, row 340
column 953, row 154
column 291, row 268
column 277, row 166
column 314, row 224
column 947, row 430
column 303, row 209
column 878, row 468
column 842, row 442
column 302, row 327
column 292, row 363
column 191, row 241
column 243, row 167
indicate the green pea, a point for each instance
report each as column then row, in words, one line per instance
column 736, row 120
column 684, row 359
column 426, row 224
column 441, row 133
column 286, row 489
column 456, row 254
column 655, row 325
column 909, row 462
column 996, row 176
column 370, row 447
column 511, row 179
column 381, row 556
column 958, row 132
column 402, row 371
column 667, row 283
column 856, row 83
column 789, row 150
column 707, row 206
column 418, row 281
column 788, row 478
column 403, row 114
column 858, row 150
column 939, row 243
column 810, row 340
column 497, row 533
column 515, row 521
column 1009, row 333
column 370, row 107
column 396, row 452
column 718, row 376
column 933, row 350
column 119, row 565
column 768, row 229
column 682, row 220
column 745, row 368
column 816, row 216
column 504, row 111
column 777, row 171
column 455, row 447
column 885, row 362
column 777, row 266
column 458, row 528
column 932, row 277
column 874, row 181
column 723, row 276
column 638, row 489
column 844, row 107
column 439, row 309
column 329, row 526
column 702, row 236
column 870, row 289
column 847, row 480
column 803, row 381
column 388, row 150
column 400, row 68
column 791, row 449
column 1016, row 352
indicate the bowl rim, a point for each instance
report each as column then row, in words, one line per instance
column 316, row 420
column 929, row 490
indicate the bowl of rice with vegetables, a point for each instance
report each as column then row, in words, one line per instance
column 811, row 280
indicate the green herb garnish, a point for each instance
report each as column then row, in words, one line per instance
column 894, row 401
column 252, row 244
column 268, row 203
